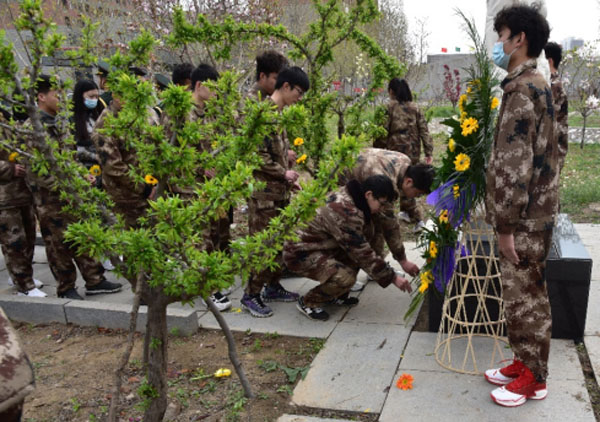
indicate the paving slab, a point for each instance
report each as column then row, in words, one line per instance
column 287, row 320
column 34, row 310
column 592, row 320
column 592, row 344
column 590, row 237
column 466, row 397
column 298, row 418
column 354, row 369
column 116, row 316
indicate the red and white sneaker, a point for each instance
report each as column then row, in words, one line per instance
column 506, row 375
column 518, row 391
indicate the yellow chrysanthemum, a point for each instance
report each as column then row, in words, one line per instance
column 151, row 180
column 298, row 142
column 462, row 162
column 469, row 89
column 461, row 102
column 451, row 145
column 432, row 249
column 463, row 116
column 444, row 216
column 13, row 157
column 426, row 277
column 469, row 126
column 456, row 191
column 495, row 102
column 424, row 286
column 95, row 170
column 301, row 159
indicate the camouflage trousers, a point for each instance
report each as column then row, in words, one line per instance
column 259, row 215
column 53, row 223
column 17, row 237
column 335, row 272
column 410, row 207
column 220, row 233
column 526, row 303
column 130, row 213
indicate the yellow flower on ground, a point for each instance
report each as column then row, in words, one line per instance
column 214, row 145
column 462, row 162
column 222, row 372
column 444, row 216
column 423, row 287
column 469, row 126
column 451, row 145
column 151, row 180
column 298, row 142
column 13, row 157
column 495, row 102
column 433, row 249
column 301, row 159
column 95, row 170
column 405, row 382
column 456, row 191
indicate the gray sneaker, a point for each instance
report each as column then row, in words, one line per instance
column 278, row 294
column 255, row 306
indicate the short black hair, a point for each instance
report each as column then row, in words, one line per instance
column 181, row 72
column 422, row 176
column 553, row 51
column 44, row 84
column 202, row 73
column 270, row 62
column 293, row 76
column 525, row 19
column 400, row 89
column 381, row 186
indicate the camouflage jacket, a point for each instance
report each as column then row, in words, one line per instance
column 522, row 174
column 117, row 157
column 16, row 372
column 195, row 114
column 374, row 161
column 13, row 190
column 274, row 154
column 407, row 129
column 342, row 226
column 561, row 108
column 256, row 92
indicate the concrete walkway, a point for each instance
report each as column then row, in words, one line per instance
column 368, row 347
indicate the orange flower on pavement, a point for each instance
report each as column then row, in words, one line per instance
column 151, row 180
column 405, row 382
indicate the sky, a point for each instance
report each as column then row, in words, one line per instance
column 567, row 18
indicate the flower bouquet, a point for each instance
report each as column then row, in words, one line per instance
column 460, row 180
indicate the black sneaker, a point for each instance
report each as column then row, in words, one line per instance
column 255, row 306
column 317, row 314
column 104, row 286
column 345, row 301
column 70, row 294
column 278, row 294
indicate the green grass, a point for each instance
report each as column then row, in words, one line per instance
column 440, row 111
column 580, row 183
column 577, row 120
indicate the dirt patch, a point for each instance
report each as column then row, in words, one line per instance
column 74, row 368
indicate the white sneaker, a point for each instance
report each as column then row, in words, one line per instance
column 403, row 215
column 37, row 282
column 226, row 291
column 358, row 287
column 222, row 302
column 35, row 292
column 108, row 266
column 419, row 226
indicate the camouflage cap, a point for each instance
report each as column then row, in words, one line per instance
column 162, row 80
column 103, row 68
column 138, row 71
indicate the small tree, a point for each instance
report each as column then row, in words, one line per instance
column 451, row 85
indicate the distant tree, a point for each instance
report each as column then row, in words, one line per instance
column 451, row 85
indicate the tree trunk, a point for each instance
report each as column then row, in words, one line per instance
column 156, row 336
column 583, row 131
column 341, row 125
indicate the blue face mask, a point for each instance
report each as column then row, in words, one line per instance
column 91, row 104
column 500, row 58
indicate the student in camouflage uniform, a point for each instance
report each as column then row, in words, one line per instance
column 522, row 202
column 406, row 130
column 263, row 205
column 17, row 222
column 53, row 220
column 561, row 102
column 268, row 66
column 16, row 373
column 335, row 246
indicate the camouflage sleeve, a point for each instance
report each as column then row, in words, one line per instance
column 561, row 103
column 392, row 233
column 514, row 160
column 347, row 229
column 270, row 165
column 7, row 171
column 113, row 165
column 424, row 135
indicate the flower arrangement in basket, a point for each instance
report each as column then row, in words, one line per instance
column 460, row 180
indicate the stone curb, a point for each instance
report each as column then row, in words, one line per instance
column 91, row 313
column 296, row 418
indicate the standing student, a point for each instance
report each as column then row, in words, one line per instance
column 268, row 66
column 522, row 202
column 560, row 101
